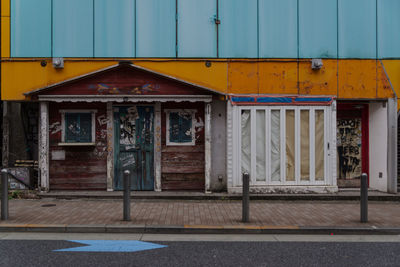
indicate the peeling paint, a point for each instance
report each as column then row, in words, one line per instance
column 55, row 127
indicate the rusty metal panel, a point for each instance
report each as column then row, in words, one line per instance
column 357, row 79
column 277, row 77
column 318, row 82
column 388, row 29
column 155, row 28
column 197, row 31
column 114, row 26
column 30, row 28
column 242, row 78
column 73, row 28
column 357, row 28
column 277, row 22
column 238, row 29
column 318, row 28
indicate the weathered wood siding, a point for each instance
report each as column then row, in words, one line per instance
column 124, row 80
column 84, row 167
column 182, row 167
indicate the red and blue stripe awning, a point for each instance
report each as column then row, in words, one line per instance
column 241, row 100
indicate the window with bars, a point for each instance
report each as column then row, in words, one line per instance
column 78, row 126
column 180, row 127
column 283, row 145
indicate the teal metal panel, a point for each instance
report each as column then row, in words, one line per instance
column 277, row 28
column 318, row 28
column 155, row 28
column 30, row 28
column 114, row 27
column 238, row 36
column 388, row 29
column 73, row 28
column 197, row 31
column 357, row 28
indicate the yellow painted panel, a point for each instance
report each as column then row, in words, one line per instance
column 392, row 68
column 213, row 77
column 277, row 77
column 384, row 89
column 5, row 37
column 357, row 79
column 242, row 78
column 5, row 8
column 318, row 82
column 18, row 78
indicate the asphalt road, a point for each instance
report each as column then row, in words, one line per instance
column 295, row 252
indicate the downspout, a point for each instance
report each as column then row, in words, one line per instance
column 392, row 139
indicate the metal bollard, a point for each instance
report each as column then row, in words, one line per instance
column 127, row 195
column 364, row 198
column 245, row 197
column 4, row 194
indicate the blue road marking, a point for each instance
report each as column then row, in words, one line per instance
column 111, row 246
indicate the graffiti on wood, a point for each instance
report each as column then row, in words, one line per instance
column 349, row 148
column 128, row 127
column 103, row 88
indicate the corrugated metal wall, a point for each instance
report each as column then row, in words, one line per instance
column 188, row 28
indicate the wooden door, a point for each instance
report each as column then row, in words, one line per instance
column 134, row 147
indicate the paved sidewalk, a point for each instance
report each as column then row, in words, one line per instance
column 198, row 216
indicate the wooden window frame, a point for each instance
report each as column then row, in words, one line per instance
column 63, row 125
column 193, row 130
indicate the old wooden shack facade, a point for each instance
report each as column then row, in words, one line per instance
column 189, row 94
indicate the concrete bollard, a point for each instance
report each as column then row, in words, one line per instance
column 4, row 194
column 127, row 195
column 245, row 197
column 364, row 198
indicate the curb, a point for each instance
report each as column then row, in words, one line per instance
column 199, row 229
column 278, row 197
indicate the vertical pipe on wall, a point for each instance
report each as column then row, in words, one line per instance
column 6, row 135
column 44, row 146
column 392, row 145
column 207, row 137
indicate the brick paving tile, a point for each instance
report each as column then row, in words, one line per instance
column 217, row 213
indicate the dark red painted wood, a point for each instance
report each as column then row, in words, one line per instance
column 124, row 80
column 84, row 168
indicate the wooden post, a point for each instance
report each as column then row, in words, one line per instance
column 44, row 146
column 110, row 147
column 157, row 147
column 207, row 137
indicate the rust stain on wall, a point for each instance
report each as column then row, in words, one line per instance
column 318, row 82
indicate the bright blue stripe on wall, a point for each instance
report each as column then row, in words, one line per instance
column 238, row 29
column 114, row 28
column 274, row 100
column 357, row 28
column 388, row 28
column 31, row 28
column 243, row 99
column 155, row 28
column 277, row 28
column 197, row 31
column 73, row 28
column 317, row 28
column 313, row 99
